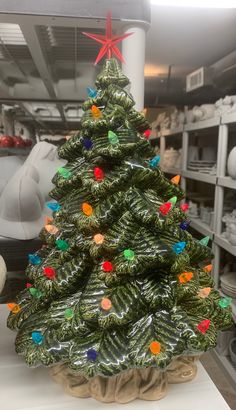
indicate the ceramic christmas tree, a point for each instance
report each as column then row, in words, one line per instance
column 120, row 299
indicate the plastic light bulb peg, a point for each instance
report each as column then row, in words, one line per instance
column 204, row 325
column 34, row 259
column 107, row 266
column 65, row 173
column 173, row 200
column 184, row 225
column 69, row 314
column 87, row 143
column 54, row 206
column 175, row 180
column 225, row 302
column 62, row 245
column 113, row 138
column 165, row 208
column 98, row 174
column 92, row 355
column 154, row 162
column 204, row 241
column 147, row 133
column 92, row 93
column 129, row 254
column 49, row 272
column 96, row 112
column 179, row 247
column 184, row 207
column 37, row 337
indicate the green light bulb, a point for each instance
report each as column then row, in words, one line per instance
column 65, row 173
column 173, row 200
column 62, row 245
column 129, row 254
column 69, row 314
column 204, row 241
column 225, row 302
column 113, row 138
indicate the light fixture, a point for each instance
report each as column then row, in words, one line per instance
column 214, row 4
column 151, row 70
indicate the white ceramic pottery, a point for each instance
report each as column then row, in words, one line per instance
column 232, row 239
column 189, row 116
column 3, row 273
column 231, row 163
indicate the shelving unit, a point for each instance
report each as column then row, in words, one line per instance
column 203, row 228
column 225, row 363
column 175, row 131
column 199, row 176
column 220, row 182
column 223, row 243
column 200, row 125
column 227, row 182
column 14, row 151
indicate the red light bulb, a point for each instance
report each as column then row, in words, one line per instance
column 98, row 173
column 165, row 208
column 147, row 134
column 107, row 266
column 49, row 272
column 184, row 207
column 204, row 326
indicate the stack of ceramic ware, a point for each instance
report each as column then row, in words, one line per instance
column 228, row 284
column 201, row 166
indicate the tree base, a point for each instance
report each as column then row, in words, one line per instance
column 144, row 384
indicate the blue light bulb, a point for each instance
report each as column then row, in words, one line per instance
column 154, row 162
column 34, row 259
column 54, row 206
column 184, row 225
column 87, row 143
column 92, row 355
column 37, row 337
column 179, row 247
column 91, row 92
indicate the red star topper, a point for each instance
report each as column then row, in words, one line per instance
column 108, row 42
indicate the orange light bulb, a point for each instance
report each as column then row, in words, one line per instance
column 175, row 180
column 96, row 112
column 155, row 347
column 185, row 277
column 106, row 304
column 98, row 239
column 208, row 268
column 87, row 209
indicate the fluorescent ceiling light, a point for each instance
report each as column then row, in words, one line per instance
column 214, row 4
column 11, row 34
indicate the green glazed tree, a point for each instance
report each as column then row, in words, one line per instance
column 119, row 283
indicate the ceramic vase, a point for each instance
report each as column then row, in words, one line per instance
column 231, row 164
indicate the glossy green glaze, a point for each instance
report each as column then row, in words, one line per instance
column 145, row 299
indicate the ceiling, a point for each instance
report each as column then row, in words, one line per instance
column 185, row 39
column 47, row 60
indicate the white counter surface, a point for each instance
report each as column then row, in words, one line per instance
column 22, row 388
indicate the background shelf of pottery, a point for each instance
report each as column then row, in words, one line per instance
column 214, row 188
